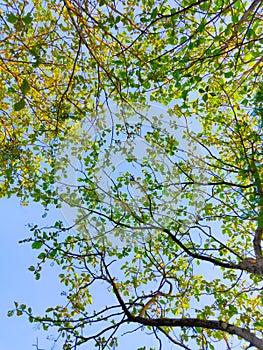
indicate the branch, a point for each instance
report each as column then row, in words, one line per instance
column 248, row 264
column 116, row 291
column 190, row 323
column 160, row 18
column 155, row 296
column 257, row 243
column 259, row 230
column 195, row 322
column 252, row 7
column 199, row 256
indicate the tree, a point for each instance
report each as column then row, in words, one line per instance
column 183, row 212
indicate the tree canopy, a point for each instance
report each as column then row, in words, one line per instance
column 159, row 105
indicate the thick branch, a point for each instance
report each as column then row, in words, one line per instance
column 259, row 230
column 257, row 243
column 195, row 322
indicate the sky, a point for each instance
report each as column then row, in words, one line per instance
column 18, row 284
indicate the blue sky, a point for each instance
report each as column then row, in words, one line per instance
column 18, row 284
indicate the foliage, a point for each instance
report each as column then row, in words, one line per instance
column 189, row 218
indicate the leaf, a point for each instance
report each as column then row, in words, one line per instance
column 19, row 25
column 27, row 19
column 154, row 13
column 11, row 18
column 229, row 74
column 25, row 87
column 204, row 6
column 53, row 253
column 41, row 256
column 10, row 313
column 36, row 245
column 19, row 105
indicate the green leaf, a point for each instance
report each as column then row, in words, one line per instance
column 11, row 18
column 204, row 6
column 19, row 105
column 10, row 313
column 154, row 13
column 53, row 253
column 25, row 87
column 37, row 245
column 27, row 19
column 198, row 329
column 229, row 74
column 41, row 256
